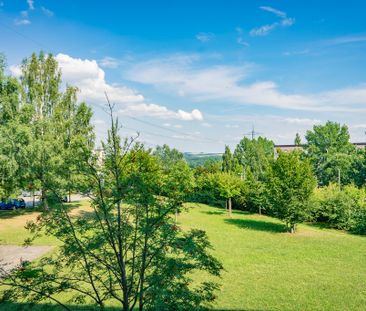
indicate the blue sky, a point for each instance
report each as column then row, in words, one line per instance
column 199, row 74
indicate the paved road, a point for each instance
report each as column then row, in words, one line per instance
column 74, row 198
column 11, row 255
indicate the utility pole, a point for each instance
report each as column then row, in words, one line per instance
column 252, row 133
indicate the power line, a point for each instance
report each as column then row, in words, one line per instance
column 24, row 36
column 172, row 130
column 161, row 135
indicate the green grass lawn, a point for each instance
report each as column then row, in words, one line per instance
column 269, row 269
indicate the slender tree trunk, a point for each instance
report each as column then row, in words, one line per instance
column 292, row 228
column 69, row 195
column 44, row 199
column 339, row 179
column 34, row 199
column 230, row 207
column 260, row 210
column 226, row 205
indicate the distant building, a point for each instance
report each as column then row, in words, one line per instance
column 297, row 147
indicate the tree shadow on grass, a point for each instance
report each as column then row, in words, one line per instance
column 48, row 307
column 258, row 225
column 7, row 214
column 214, row 212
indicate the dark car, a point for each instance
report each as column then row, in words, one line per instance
column 12, row 204
column 6, row 205
column 18, row 203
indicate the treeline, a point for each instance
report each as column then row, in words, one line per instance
column 322, row 181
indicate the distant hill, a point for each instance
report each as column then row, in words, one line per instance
column 197, row 159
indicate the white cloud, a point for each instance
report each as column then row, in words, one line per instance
column 346, row 40
column 232, row 126
column 205, row 36
column 358, row 126
column 302, row 121
column 109, row 62
column 24, row 14
column 16, row 71
column 162, row 112
column 47, row 12
column 205, row 124
column 274, row 11
column 301, row 52
column 228, row 83
column 90, row 79
column 266, row 29
column 263, row 30
column 240, row 40
column 30, row 4
column 98, row 121
column 22, row 22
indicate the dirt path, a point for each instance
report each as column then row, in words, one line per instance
column 11, row 255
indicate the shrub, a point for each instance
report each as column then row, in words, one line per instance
column 340, row 208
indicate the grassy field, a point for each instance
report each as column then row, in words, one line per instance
column 265, row 267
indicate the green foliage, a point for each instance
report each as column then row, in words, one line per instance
column 290, row 182
column 340, row 208
column 228, row 161
column 331, row 153
column 44, row 132
column 297, row 141
column 196, row 160
column 127, row 248
column 254, row 156
column 168, row 156
column 252, row 197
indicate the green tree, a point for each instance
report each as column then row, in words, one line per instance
column 128, row 249
column 227, row 160
column 228, row 185
column 254, row 156
column 331, row 153
column 168, row 156
column 60, row 129
column 290, row 182
column 297, row 140
column 14, row 135
column 72, row 122
column 41, row 81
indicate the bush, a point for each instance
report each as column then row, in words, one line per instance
column 340, row 208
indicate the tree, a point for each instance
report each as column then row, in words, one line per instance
column 297, row 140
column 254, row 155
column 290, row 182
column 227, row 160
column 14, row 135
column 41, row 81
column 168, row 156
column 228, row 185
column 72, row 123
column 331, row 153
column 128, row 248
column 59, row 128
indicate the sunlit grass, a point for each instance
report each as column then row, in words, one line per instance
column 265, row 267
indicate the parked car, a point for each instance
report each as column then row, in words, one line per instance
column 18, row 203
column 26, row 194
column 6, row 205
column 12, row 204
